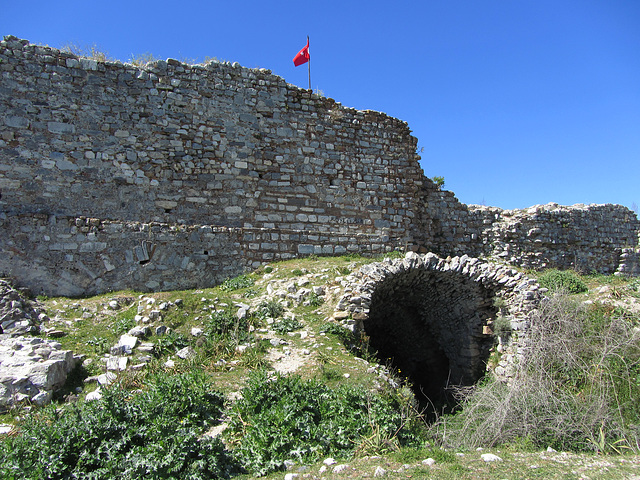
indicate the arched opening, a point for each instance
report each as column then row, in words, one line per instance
column 429, row 326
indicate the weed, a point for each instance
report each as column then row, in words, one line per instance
column 576, row 389
column 156, row 433
column 100, row 345
column 289, row 419
column 269, row 309
column 170, row 343
column 123, row 325
column 286, row 325
column 91, row 51
column 439, row 181
column 142, row 59
column 345, row 335
column 562, row 280
column 315, row 300
column 242, row 281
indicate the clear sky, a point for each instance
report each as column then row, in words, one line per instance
column 514, row 102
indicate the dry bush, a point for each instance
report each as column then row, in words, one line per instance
column 576, row 389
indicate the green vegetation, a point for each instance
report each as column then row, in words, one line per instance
column 439, row 181
column 562, row 280
column 231, row 284
column 287, row 418
column 155, row 433
column 576, row 391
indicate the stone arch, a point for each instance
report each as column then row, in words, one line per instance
column 434, row 318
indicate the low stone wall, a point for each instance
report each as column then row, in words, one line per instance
column 84, row 256
column 586, row 238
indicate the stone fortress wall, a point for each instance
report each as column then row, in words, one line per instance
column 174, row 176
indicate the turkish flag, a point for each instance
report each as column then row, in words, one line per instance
column 303, row 56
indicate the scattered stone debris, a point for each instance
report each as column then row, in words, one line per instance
column 32, row 369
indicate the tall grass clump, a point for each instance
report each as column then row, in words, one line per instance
column 577, row 387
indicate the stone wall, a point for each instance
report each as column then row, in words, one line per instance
column 173, row 176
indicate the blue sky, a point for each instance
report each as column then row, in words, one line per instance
column 515, row 102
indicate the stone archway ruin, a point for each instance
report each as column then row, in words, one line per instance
column 433, row 318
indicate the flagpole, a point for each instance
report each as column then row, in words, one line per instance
column 309, row 62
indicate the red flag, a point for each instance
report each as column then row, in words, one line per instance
column 303, row 56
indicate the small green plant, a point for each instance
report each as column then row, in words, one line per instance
column 269, row 309
column 123, row 325
column 225, row 325
column 315, row 300
column 562, row 280
column 502, row 327
column 170, row 343
column 268, row 269
column 286, row 325
column 242, row 281
column 296, row 272
column 439, row 181
column 343, row 270
column 345, row 335
column 100, row 345
column 329, row 374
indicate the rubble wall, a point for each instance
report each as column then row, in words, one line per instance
column 221, row 168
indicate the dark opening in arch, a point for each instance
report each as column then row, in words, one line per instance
column 429, row 326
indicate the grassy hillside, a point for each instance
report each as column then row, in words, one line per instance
column 254, row 377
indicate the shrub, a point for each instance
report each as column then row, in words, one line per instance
column 287, row 418
column 225, row 325
column 562, row 280
column 576, row 388
column 152, row 434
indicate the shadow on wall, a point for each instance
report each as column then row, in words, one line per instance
column 429, row 326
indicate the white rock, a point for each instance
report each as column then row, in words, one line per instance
column 290, row 476
column 186, row 352
column 107, row 379
column 340, row 468
column 490, row 457
column 428, row 461
column 196, row 332
column 5, row 428
column 42, row 398
column 380, row 472
column 95, row 395
column 329, row 461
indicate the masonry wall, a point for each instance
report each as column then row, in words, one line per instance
column 214, row 168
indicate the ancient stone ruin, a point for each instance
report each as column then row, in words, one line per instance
column 172, row 176
column 434, row 319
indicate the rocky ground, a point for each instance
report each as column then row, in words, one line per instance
column 118, row 337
